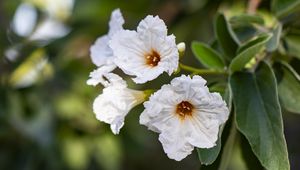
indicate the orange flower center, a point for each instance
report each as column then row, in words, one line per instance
column 184, row 108
column 152, row 58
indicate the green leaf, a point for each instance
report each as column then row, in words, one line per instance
column 289, row 87
column 284, row 7
column 250, row 159
column 207, row 56
column 293, row 44
column 258, row 116
column 273, row 43
column 228, row 147
column 225, row 36
column 245, row 20
column 248, row 51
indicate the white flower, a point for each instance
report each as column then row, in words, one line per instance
column 101, row 53
column 24, row 19
column 147, row 52
column 186, row 115
column 115, row 102
column 49, row 29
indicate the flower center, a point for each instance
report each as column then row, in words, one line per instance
column 152, row 58
column 184, row 108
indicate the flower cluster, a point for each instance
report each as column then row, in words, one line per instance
column 184, row 112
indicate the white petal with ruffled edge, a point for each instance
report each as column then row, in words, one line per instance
column 115, row 102
column 116, row 22
column 154, row 25
column 180, row 135
column 131, row 48
column 101, row 53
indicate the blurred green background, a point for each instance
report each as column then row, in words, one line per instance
column 46, row 118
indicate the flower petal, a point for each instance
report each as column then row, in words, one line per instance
column 154, row 25
column 49, row 29
column 174, row 140
column 116, row 22
column 203, row 132
column 97, row 76
column 101, row 53
column 169, row 54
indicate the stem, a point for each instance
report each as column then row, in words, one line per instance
column 252, row 6
column 201, row 71
column 148, row 93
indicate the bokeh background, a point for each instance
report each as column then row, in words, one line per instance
column 46, row 118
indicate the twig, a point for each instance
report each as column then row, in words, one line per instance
column 252, row 6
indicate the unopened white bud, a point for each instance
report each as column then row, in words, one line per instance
column 181, row 47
